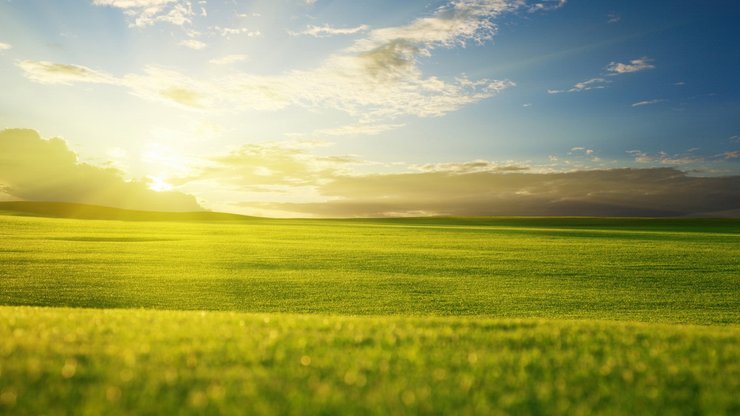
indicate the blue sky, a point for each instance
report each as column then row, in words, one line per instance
column 166, row 91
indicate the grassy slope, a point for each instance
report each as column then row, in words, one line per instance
column 355, row 267
column 678, row 272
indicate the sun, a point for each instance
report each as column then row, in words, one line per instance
column 159, row 184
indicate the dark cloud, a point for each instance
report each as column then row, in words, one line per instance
column 32, row 168
column 617, row 192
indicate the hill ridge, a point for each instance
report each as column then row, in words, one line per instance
column 74, row 210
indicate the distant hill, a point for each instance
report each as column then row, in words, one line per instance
column 95, row 212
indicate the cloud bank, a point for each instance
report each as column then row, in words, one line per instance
column 477, row 187
column 35, row 169
column 617, row 192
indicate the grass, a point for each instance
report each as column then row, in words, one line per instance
column 112, row 361
column 442, row 315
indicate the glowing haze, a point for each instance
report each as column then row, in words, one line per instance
column 373, row 107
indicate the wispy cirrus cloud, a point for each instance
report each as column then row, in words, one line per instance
column 144, row 13
column 154, row 84
column 635, row 65
column 229, row 32
column 193, row 44
column 591, row 84
column 45, row 72
column 648, row 102
column 613, row 69
column 327, row 30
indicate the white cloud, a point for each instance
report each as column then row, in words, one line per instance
column 591, row 84
column 5, row 46
column 45, row 72
column 377, row 78
column 547, row 5
column 581, row 149
column 635, row 65
column 614, row 68
column 648, row 102
column 614, row 17
column 228, row 32
column 228, row 59
column 358, row 129
column 193, row 44
column 148, row 12
column 664, row 158
column 454, row 24
column 326, row 30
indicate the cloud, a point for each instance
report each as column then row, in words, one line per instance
column 581, row 149
column 614, row 17
column 228, row 32
column 377, row 78
column 290, row 179
column 5, row 46
column 228, row 59
column 32, row 168
column 453, row 24
column 648, row 102
column 148, row 12
column 664, row 158
column 193, row 44
column 614, row 68
column 155, row 83
column 327, row 30
column 473, row 166
column 635, row 65
column 547, row 5
column 46, row 72
column 591, row 84
column 735, row 154
column 358, row 129
column 271, row 166
column 618, row 192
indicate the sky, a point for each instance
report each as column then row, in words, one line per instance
column 316, row 108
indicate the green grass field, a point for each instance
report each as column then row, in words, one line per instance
column 226, row 314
